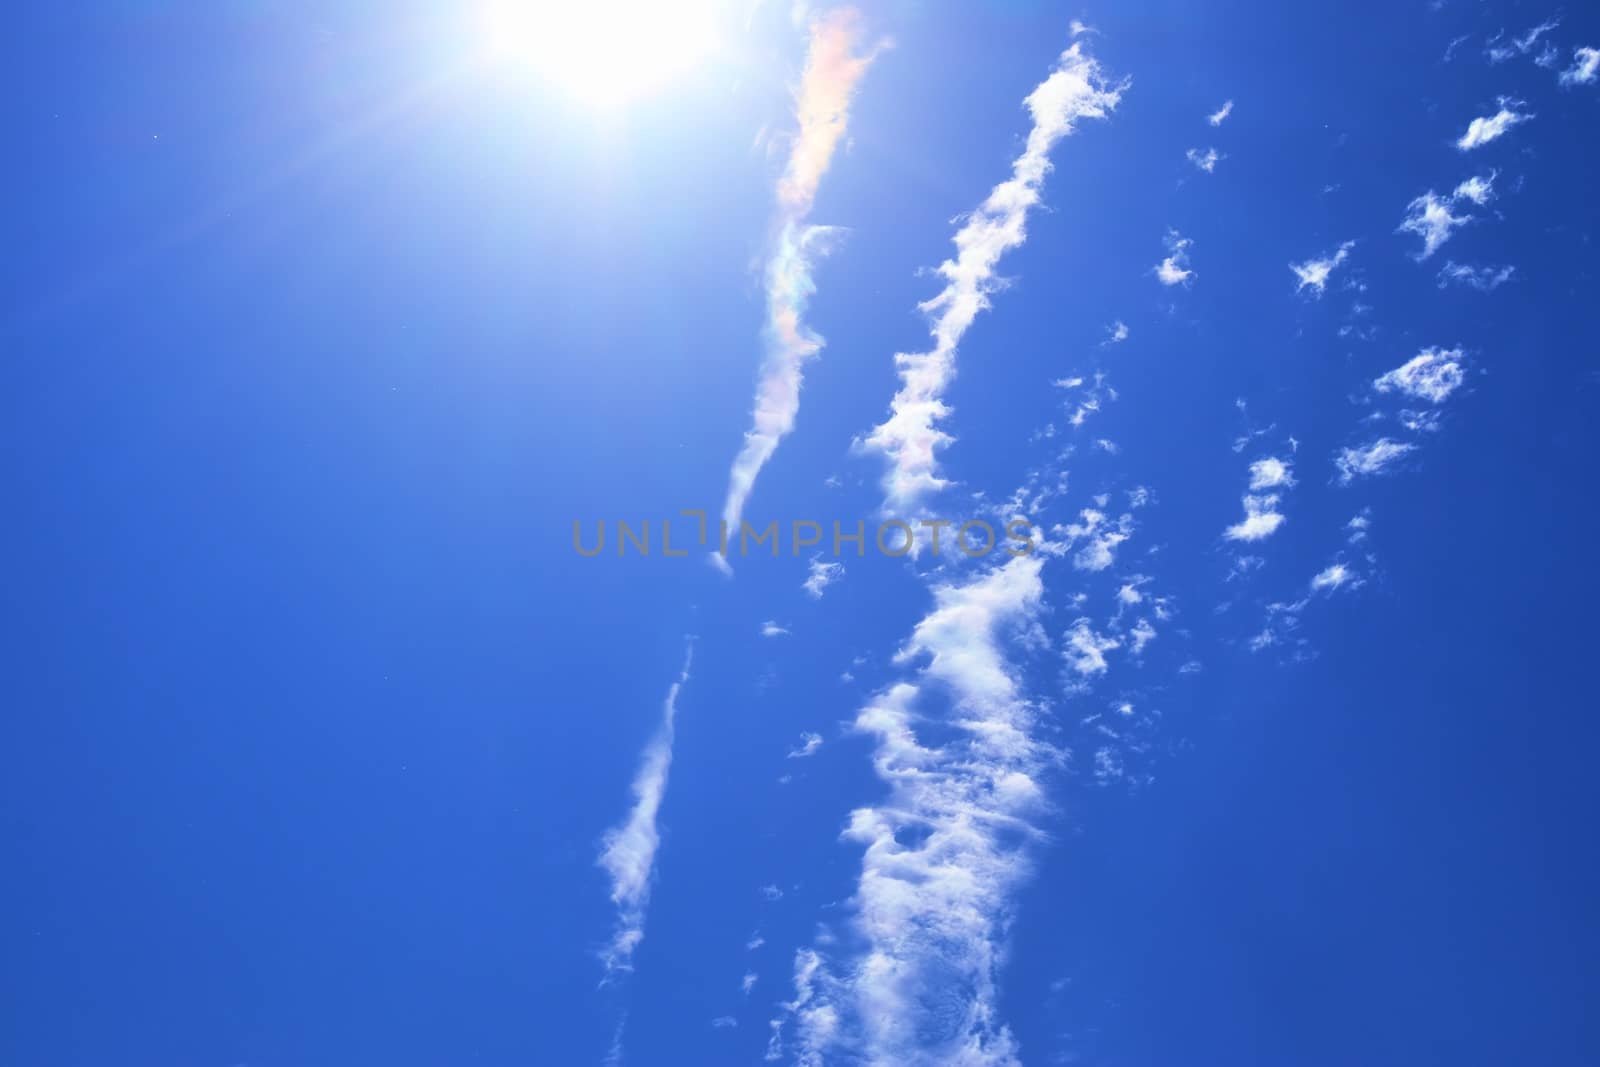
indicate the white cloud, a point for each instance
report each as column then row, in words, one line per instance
column 748, row 982
column 944, row 851
column 770, row 628
column 1333, row 577
column 809, row 743
column 1270, row 473
column 628, row 852
column 1481, row 131
column 1261, row 519
column 1585, row 69
column 1101, row 536
column 1174, row 270
column 822, row 575
column 1370, row 459
column 1526, row 42
column 1478, row 189
column 1484, row 279
column 1433, row 374
column 1432, row 217
column 911, row 436
column 771, row 892
column 1207, row 160
column 822, row 108
column 1142, row 633
column 1086, row 650
column 724, row 1022
column 1219, row 116
column 1117, row 332
column 1314, row 273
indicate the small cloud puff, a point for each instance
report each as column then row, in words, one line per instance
column 1483, row 279
column 1219, row 116
column 809, row 743
column 1335, row 576
column 1174, row 270
column 822, row 575
column 1432, row 217
column 1585, row 69
column 1261, row 519
column 1481, row 131
column 772, row 629
column 1432, row 375
column 1207, row 160
column 1374, row 458
column 1314, row 273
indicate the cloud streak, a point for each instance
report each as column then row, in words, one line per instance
column 834, row 67
column 628, row 851
column 911, row 437
column 943, row 852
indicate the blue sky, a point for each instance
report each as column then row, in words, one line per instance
column 327, row 324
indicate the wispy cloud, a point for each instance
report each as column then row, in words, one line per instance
column 1207, row 160
column 1261, row 515
column 910, row 438
column 1484, row 279
column 1432, row 375
column 1219, row 116
column 1373, row 458
column 1174, row 270
column 809, row 743
column 772, row 628
column 833, row 68
column 1481, row 131
column 1261, row 519
column 822, row 574
column 1335, row 576
column 1432, row 217
column 1585, row 69
column 945, row 851
column 1314, row 273
column 628, row 852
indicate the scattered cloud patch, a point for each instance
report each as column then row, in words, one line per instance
column 1432, row 375
column 770, row 628
column 1219, row 116
column 1585, row 69
column 1374, row 458
column 1270, row 473
column 822, row 575
column 1335, row 576
column 1483, row 279
column 1313, row 274
column 1174, row 270
column 809, row 743
column 1207, row 160
column 1432, row 217
column 1481, row 131
column 1261, row 519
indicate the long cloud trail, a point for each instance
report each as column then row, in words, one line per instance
column 954, row 740
column 834, row 66
column 628, row 851
column 943, row 852
column 911, row 437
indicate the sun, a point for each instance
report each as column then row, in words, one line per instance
column 605, row 52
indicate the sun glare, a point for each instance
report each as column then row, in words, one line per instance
column 605, row 52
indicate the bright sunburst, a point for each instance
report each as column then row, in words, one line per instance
column 606, row 52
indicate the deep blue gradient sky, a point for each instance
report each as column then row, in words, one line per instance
column 321, row 334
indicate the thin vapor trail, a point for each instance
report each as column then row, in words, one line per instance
column 628, row 851
column 910, row 437
column 822, row 109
